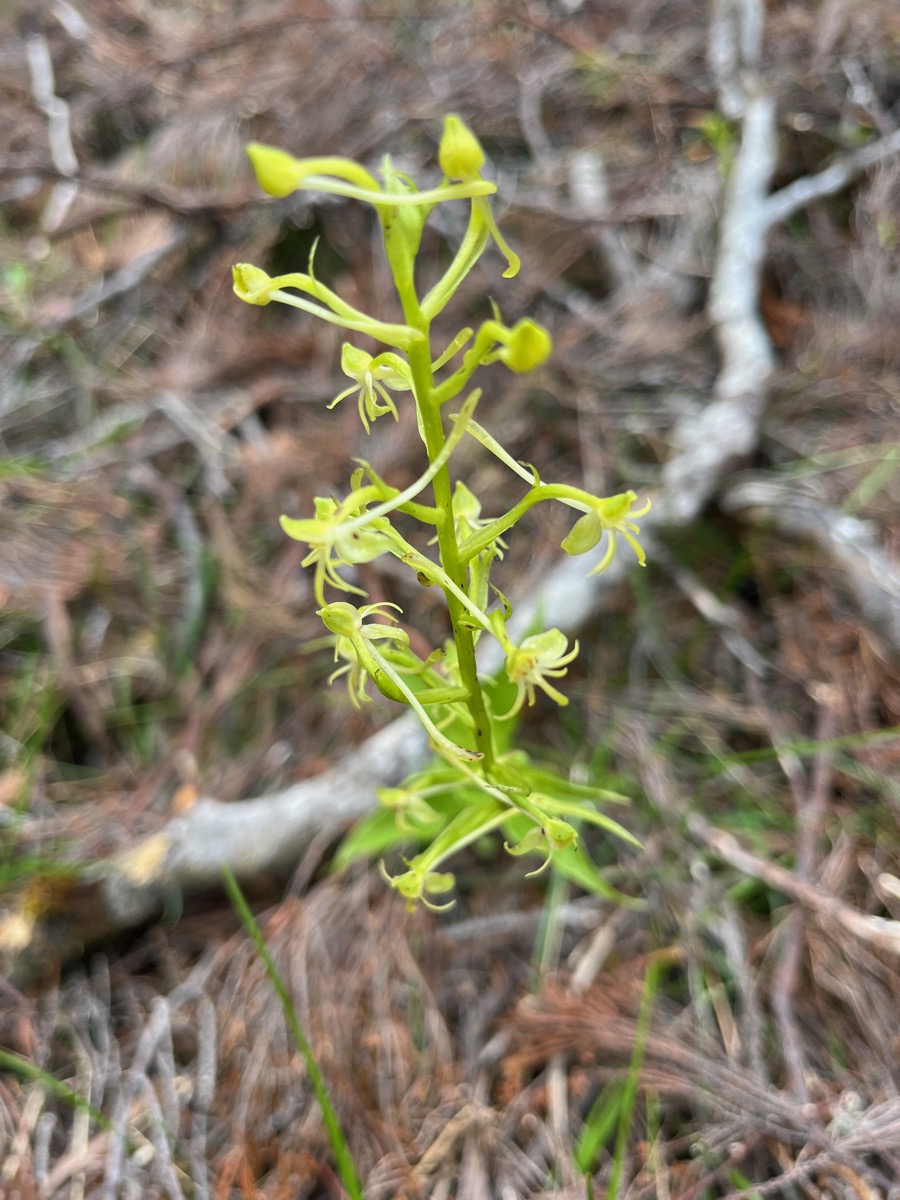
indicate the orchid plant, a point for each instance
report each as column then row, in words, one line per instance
column 477, row 781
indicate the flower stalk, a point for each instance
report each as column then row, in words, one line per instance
column 476, row 785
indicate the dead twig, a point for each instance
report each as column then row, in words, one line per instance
column 867, row 572
column 877, row 931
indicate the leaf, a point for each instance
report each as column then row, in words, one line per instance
column 575, row 865
column 371, row 837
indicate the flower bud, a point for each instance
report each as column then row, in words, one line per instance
column 528, row 348
column 277, row 172
column 460, row 154
column 252, row 284
column 560, row 834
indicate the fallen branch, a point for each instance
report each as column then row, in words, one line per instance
column 848, row 543
column 727, row 431
column 880, row 932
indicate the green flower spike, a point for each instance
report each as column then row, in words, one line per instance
column 541, row 657
column 613, row 515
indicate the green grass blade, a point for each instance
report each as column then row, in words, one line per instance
column 632, row 1079
column 27, row 1070
column 599, row 1125
column 343, row 1159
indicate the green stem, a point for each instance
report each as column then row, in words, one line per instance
column 479, row 541
column 419, row 357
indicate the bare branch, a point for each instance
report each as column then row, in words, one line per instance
column 876, row 931
column 849, row 543
column 59, row 136
column 728, row 428
column 834, row 178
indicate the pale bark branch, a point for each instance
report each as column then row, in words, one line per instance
column 832, row 179
column 876, row 931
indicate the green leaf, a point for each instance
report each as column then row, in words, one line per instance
column 575, row 865
column 371, row 837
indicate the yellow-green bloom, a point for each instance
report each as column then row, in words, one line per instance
column 541, row 657
column 280, row 173
column 525, row 347
column 346, row 622
column 252, row 284
column 461, row 157
column 614, row 516
column 333, row 541
column 550, row 835
column 416, row 886
column 460, row 154
column 371, row 379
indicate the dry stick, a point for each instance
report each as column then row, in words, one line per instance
column 833, row 178
column 876, row 931
column 59, row 134
column 728, row 428
column 847, row 543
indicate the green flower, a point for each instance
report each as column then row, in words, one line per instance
column 346, row 622
column 254, row 286
column 416, row 886
column 525, row 347
column 461, row 157
column 460, row 154
column 546, row 838
column 541, row 657
column 410, row 805
column 280, row 173
column 614, row 516
column 371, row 379
column 334, row 541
